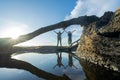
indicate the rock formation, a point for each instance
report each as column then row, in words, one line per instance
column 7, row 43
column 100, row 41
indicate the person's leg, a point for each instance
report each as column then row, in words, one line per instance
column 57, row 42
column 60, row 43
column 69, row 42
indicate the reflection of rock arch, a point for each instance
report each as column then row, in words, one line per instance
column 18, row 64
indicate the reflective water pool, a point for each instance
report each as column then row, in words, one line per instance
column 38, row 66
column 51, row 66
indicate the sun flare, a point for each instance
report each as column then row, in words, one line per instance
column 13, row 32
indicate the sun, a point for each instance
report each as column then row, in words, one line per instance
column 13, row 32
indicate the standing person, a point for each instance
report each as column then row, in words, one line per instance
column 59, row 39
column 69, row 36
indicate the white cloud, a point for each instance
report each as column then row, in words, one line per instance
column 92, row 7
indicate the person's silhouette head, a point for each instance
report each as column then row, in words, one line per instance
column 59, row 32
column 69, row 32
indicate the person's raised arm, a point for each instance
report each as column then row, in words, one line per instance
column 55, row 32
column 73, row 31
column 63, row 31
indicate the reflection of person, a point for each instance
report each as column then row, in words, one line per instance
column 59, row 39
column 69, row 36
column 7, row 62
column 70, row 61
column 59, row 60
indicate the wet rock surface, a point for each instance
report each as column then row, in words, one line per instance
column 96, row 72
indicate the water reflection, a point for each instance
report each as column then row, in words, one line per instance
column 59, row 60
column 96, row 72
column 70, row 60
column 57, row 66
column 7, row 62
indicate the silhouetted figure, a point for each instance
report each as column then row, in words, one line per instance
column 59, row 39
column 69, row 37
column 70, row 61
column 59, row 60
column 7, row 62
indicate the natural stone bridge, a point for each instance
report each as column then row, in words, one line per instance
column 83, row 20
column 99, row 43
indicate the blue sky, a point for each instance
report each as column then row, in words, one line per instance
column 24, row 16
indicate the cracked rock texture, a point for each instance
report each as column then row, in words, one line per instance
column 100, row 41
